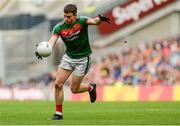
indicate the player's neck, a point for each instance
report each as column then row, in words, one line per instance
column 72, row 23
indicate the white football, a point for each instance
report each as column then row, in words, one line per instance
column 44, row 49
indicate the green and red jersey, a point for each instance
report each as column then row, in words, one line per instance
column 75, row 37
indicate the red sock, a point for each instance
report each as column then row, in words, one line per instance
column 58, row 108
column 90, row 88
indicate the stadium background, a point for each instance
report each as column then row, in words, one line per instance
column 146, row 68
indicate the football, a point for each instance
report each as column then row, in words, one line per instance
column 44, row 49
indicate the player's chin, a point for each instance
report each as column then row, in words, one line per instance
column 69, row 22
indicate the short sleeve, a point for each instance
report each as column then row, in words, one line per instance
column 56, row 30
column 83, row 20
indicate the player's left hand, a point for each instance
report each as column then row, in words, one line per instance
column 104, row 18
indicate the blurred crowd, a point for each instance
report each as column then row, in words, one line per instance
column 152, row 63
column 155, row 63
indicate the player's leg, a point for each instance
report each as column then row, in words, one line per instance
column 77, row 87
column 82, row 66
column 62, row 76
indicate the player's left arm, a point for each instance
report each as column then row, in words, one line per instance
column 97, row 20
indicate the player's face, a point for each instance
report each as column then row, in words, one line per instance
column 69, row 17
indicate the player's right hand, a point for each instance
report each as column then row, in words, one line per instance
column 37, row 54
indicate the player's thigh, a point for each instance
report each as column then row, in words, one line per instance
column 76, row 81
column 82, row 66
column 62, row 75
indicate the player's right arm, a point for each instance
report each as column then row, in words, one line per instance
column 55, row 35
column 53, row 39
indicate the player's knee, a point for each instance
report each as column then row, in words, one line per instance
column 74, row 90
column 58, row 85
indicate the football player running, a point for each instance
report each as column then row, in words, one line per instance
column 73, row 31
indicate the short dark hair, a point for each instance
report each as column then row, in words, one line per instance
column 70, row 8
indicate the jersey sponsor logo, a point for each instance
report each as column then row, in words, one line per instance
column 66, row 33
column 71, row 34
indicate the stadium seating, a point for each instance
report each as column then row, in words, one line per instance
column 147, row 64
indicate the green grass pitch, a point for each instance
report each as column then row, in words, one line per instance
column 85, row 113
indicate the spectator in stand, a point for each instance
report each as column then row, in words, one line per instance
column 176, row 77
column 148, row 64
column 105, row 71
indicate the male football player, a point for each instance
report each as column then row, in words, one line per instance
column 73, row 31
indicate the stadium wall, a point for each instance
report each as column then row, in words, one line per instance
column 166, row 26
column 105, row 93
column 163, row 28
column 18, row 61
column 137, row 93
column 163, row 22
